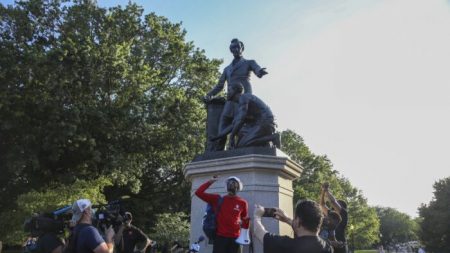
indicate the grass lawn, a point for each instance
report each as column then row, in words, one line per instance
column 366, row 251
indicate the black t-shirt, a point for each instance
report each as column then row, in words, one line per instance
column 303, row 244
column 131, row 236
column 48, row 242
column 340, row 230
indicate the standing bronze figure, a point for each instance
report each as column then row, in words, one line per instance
column 238, row 71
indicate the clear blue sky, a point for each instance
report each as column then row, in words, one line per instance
column 365, row 82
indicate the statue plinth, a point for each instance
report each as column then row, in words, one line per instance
column 267, row 181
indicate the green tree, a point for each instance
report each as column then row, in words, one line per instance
column 319, row 169
column 171, row 227
column 87, row 92
column 434, row 226
column 395, row 226
column 47, row 200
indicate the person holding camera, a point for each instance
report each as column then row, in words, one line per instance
column 331, row 221
column 306, row 224
column 339, row 206
column 85, row 237
column 129, row 237
column 232, row 213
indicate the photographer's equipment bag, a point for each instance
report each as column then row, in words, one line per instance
column 210, row 220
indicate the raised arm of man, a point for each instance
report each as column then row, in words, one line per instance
column 207, row 197
column 322, row 204
column 258, row 228
column 105, row 247
column 333, row 201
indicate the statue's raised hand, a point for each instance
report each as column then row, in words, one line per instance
column 262, row 72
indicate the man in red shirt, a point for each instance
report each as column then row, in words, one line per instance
column 232, row 214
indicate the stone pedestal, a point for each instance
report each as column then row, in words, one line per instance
column 267, row 181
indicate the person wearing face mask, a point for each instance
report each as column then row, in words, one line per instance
column 231, row 216
column 129, row 238
column 85, row 237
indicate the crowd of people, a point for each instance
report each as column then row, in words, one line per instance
column 86, row 238
column 317, row 227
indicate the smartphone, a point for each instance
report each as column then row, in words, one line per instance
column 269, row 212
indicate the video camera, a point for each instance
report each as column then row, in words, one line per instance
column 108, row 215
column 53, row 222
column 56, row 221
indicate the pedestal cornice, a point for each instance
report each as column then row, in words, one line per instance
column 283, row 165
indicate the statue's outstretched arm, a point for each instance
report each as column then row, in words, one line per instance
column 259, row 72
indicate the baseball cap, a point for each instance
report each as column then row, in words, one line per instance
column 241, row 185
column 78, row 208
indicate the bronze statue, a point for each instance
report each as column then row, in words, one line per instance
column 237, row 72
column 253, row 123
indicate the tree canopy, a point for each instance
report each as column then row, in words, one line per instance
column 434, row 217
column 46, row 201
column 396, row 227
column 363, row 224
column 107, row 100
column 89, row 92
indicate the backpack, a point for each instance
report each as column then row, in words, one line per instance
column 210, row 220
